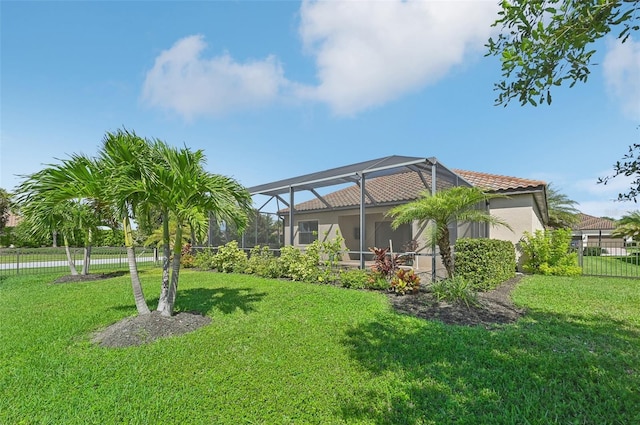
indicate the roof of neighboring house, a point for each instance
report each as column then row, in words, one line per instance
column 403, row 187
column 589, row 222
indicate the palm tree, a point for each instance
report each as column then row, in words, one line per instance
column 628, row 226
column 562, row 212
column 125, row 163
column 188, row 193
column 458, row 204
column 63, row 198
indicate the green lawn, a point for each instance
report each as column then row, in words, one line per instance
column 280, row 352
column 627, row 266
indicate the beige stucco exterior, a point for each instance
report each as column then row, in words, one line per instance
column 520, row 211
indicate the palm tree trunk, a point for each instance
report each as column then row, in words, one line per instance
column 175, row 273
column 86, row 260
column 87, row 254
column 445, row 252
column 70, row 261
column 136, row 286
column 166, row 254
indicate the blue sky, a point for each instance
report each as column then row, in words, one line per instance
column 275, row 89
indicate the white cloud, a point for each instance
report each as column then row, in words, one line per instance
column 622, row 74
column 370, row 52
column 367, row 53
column 183, row 81
column 611, row 209
column 600, row 200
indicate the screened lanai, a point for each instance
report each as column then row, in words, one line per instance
column 431, row 174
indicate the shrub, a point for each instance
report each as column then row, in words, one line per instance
column 230, row 259
column 456, row 290
column 383, row 262
column 300, row 266
column 549, row 253
column 354, row 278
column 404, row 281
column 204, row 259
column 484, row 263
column 263, row 263
column 186, row 257
column 378, row 282
column 330, row 253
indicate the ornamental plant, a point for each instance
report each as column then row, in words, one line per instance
column 404, row 281
column 549, row 253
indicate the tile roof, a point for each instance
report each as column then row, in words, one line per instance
column 589, row 222
column 495, row 182
column 403, row 187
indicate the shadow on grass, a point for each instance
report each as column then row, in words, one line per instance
column 545, row 369
column 226, row 300
column 206, row 300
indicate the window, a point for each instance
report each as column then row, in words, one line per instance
column 307, row 232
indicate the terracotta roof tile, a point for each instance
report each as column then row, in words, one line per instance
column 407, row 186
column 495, row 182
column 589, row 222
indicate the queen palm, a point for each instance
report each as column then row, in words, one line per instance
column 562, row 210
column 188, row 193
column 447, row 207
column 628, row 226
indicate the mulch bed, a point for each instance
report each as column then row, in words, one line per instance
column 496, row 307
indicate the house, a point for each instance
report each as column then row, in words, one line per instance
column 596, row 232
column 358, row 211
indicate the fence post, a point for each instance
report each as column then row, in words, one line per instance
column 580, row 254
column 17, row 261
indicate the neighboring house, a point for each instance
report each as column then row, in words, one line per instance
column 596, row 231
column 524, row 208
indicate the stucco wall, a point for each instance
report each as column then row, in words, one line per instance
column 522, row 214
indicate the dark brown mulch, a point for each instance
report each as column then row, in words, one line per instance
column 496, row 307
column 146, row 328
column 88, row 277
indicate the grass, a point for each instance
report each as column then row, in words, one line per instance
column 280, row 352
column 626, row 266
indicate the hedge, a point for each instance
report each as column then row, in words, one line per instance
column 485, row 263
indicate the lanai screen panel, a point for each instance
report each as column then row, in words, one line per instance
column 432, row 176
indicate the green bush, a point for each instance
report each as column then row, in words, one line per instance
column 484, row 263
column 549, row 253
column 378, row 282
column 230, row 259
column 455, row 290
column 263, row 263
column 300, row 266
column 354, row 278
column 204, row 259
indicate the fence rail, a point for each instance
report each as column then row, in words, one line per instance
column 54, row 260
column 616, row 259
